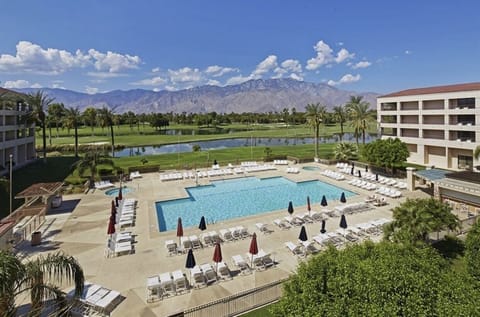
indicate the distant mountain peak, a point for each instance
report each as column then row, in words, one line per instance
column 255, row 95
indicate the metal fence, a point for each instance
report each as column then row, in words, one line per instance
column 238, row 303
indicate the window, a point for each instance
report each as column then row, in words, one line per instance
column 465, row 162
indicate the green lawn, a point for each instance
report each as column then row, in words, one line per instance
column 261, row 312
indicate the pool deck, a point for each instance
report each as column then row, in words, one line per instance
column 82, row 233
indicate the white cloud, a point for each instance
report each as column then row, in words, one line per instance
column 213, row 82
column 268, row 64
column 113, row 62
column 155, row 81
column 362, row 64
column 156, row 70
column 348, row 78
column 156, row 89
column 217, row 71
column 105, row 75
column 185, row 75
column 296, row 77
column 58, row 86
column 20, row 83
column 292, row 65
column 170, row 88
column 408, row 52
column 324, row 56
column 237, row 80
column 91, row 90
column 32, row 58
column 343, row 55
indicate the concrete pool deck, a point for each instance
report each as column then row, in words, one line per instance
column 82, row 234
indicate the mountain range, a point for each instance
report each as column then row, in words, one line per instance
column 257, row 95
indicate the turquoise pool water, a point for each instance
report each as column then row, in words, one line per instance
column 234, row 198
column 114, row 191
column 311, row 168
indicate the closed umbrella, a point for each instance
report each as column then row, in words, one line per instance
column 114, row 209
column 351, row 170
column 290, row 208
column 190, row 263
column 323, row 230
column 342, row 198
column 203, row 225
column 179, row 229
column 120, row 197
column 111, row 226
column 366, row 168
column 217, row 255
column 309, row 208
column 343, row 224
column 116, row 201
column 324, row 201
column 359, row 173
column 303, row 234
column 253, row 250
column 376, row 177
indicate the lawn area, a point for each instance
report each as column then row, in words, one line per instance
column 261, row 312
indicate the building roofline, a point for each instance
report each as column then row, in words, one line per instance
column 434, row 90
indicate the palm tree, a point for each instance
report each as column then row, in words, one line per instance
column 90, row 162
column 40, row 278
column 107, row 118
column 90, row 117
column 345, row 151
column 72, row 119
column 340, row 114
column 55, row 112
column 315, row 114
column 360, row 116
column 40, row 101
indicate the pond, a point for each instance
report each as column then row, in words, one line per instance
column 204, row 131
column 234, row 142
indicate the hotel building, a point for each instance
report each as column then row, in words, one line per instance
column 440, row 125
column 17, row 135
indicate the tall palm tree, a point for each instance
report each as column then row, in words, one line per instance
column 360, row 116
column 340, row 114
column 40, row 101
column 55, row 112
column 108, row 119
column 315, row 114
column 90, row 117
column 72, row 119
column 40, row 278
column 90, row 161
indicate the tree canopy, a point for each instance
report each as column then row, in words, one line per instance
column 386, row 152
column 415, row 219
column 472, row 251
column 384, row 279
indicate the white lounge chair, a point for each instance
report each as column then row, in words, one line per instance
column 295, row 249
column 310, row 247
column 172, row 247
column 295, row 221
column 256, row 261
column 263, row 228
column 180, row 281
column 226, row 235
column 186, row 243
column 198, row 277
column 195, row 242
column 240, row 263
column 154, row 289
column 106, row 304
column 209, row 273
column 223, row 271
column 282, row 224
column 166, row 282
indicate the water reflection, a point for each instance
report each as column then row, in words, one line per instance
column 238, row 142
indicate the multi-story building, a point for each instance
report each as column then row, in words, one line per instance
column 17, row 132
column 440, row 125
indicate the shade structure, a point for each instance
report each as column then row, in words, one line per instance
column 343, row 222
column 359, row 173
column 323, row 230
column 308, row 204
column 351, row 170
column 111, row 226
column 342, row 198
column 253, row 247
column 217, row 255
column 290, row 207
column 202, row 225
column 120, row 197
column 303, row 234
column 179, row 229
column 376, row 177
column 324, row 201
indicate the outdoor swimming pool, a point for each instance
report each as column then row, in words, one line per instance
column 233, row 198
column 114, row 191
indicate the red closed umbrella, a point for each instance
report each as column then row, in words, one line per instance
column 111, row 226
column 120, row 197
column 114, row 209
column 217, row 255
column 253, row 247
column 179, row 229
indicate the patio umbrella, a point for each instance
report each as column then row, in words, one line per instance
column 324, row 201
column 179, row 229
column 111, row 226
column 303, row 234
column 366, row 168
column 113, row 218
column 114, row 209
column 351, row 171
column 342, row 198
column 376, row 177
column 343, row 224
column 323, row 230
column 309, row 208
column 359, row 173
column 290, row 207
column 116, row 201
column 190, row 264
column 253, row 247
column 120, row 197
column 202, row 226
column 217, row 255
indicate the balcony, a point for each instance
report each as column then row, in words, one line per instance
column 388, row 106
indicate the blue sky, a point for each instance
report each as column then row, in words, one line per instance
column 97, row 46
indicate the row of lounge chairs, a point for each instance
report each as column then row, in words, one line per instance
column 248, row 164
column 385, row 180
column 375, row 200
column 302, row 249
column 350, row 208
column 362, row 184
column 119, row 244
column 385, row 191
column 293, row 170
column 166, row 284
column 298, row 220
column 280, row 162
column 126, row 213
column 334, row 175
column 259, row 168
column 103, row 185
column 135, row 174
column 95, row 300
column 259, row 261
